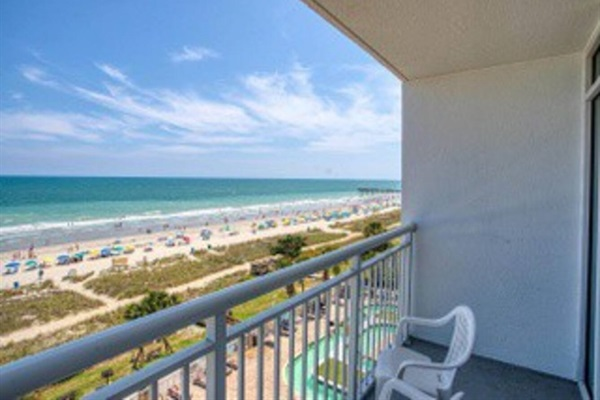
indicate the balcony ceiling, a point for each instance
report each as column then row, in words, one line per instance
column 424, row 38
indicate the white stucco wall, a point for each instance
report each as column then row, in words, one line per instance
column 492, row 174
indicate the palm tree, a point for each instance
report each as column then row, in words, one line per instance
column 335, row 270
column 375, row 228
column 289, row 248
column 153, row 302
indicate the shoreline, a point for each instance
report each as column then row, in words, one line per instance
column 239, row 231
column 44, row 235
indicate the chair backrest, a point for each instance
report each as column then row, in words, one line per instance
column 461, row 345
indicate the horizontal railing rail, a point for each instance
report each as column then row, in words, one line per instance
column 384, row 286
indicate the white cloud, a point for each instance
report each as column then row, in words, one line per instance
column 265, row 112
column 173, row 111
column 354, row 119
column 37, row 75
column 197, row 53
column 114, row 73
column 52, row 126
column 175, row 149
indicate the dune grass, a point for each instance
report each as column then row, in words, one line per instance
column 38, row 305
column 175, row 271
column 160, row 276
column 15, row 350
column 387, row 219
column 256, row 249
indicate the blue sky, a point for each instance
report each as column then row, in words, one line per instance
column 190, row 88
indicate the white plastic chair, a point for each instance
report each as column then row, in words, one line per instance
column 396, row 385
column 416, row 369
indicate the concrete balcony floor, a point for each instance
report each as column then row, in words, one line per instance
column 485, row 379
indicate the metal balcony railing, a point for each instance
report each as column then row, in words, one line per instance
column 322, row 343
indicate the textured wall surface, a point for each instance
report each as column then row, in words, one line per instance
column 492, row 173
column 420, row 38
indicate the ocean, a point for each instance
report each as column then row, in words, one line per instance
column 51, row 210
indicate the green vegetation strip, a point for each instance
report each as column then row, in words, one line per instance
column 87, row 381
column 175, row 271
column 33, row 304
column 14, row 351
column 386, row 219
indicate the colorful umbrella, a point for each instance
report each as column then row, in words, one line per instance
column 12, row 264
column 63, row 259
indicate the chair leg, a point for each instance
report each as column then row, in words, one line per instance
column 379, row 383
column 445, row 394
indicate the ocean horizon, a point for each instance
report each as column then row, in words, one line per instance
column 40, row 210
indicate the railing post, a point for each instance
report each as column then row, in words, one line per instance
column 354, row 366
column 410, row 272
column 154, row 390
column 408, row 285
column 216, row 331
column 185, row 382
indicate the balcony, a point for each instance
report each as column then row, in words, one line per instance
column 352, row 317
column 309, row 346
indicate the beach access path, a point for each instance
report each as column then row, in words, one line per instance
column 111, row 304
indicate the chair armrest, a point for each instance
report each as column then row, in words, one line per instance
column 403, row 388
column 430, row 323
column 425, row 365
column 433, row 323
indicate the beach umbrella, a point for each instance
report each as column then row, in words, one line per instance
column 12, row 267
column 63, row 259
column 31, row 264
column 129, row 249
column 105, row 252
column 48, row 261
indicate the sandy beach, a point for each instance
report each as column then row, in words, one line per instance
column 181, row 240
